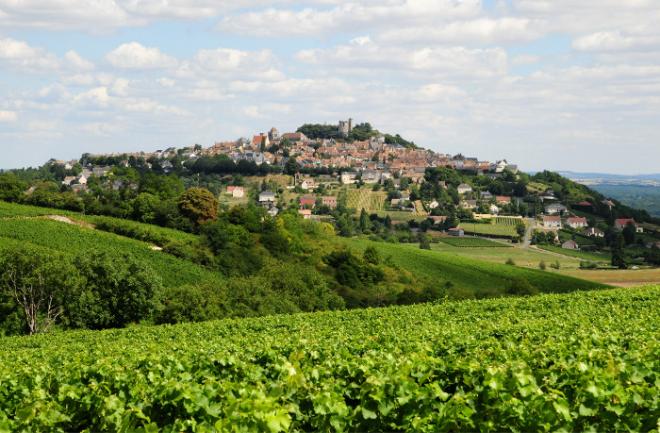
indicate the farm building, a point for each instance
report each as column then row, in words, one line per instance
column 570, row 245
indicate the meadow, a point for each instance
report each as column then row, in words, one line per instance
column 583, row 255
column 570, row 362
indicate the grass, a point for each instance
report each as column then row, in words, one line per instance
column 469, row 242
column 618, row 277
column 583, row 255
column 503, row 230
column 470, row 277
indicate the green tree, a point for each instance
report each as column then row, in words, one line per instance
column 618, row 256
column 113, row 293
column 38, row 282
column 11, row 187
column 199, row 205
column 365, row 222
column 371, row 255
column 629, row 232
column 291, row 166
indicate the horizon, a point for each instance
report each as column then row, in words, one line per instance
column 546, row 85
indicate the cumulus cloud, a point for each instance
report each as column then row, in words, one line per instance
column 20, row 55
column 133, row 55
column 364, row 54
column 347, row 15
column 77, row 62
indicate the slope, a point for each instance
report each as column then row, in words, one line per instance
column 470, row 277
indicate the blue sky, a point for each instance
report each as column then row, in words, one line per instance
column 546, row 83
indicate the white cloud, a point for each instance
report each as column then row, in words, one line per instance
column 77, row 62
column 616, row 41
column 480, row 30
column 347, row 16
column 8, row 116
column 133, row 55
column 20, row 55
column 373, row 58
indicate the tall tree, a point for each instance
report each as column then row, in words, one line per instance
column 199, row 205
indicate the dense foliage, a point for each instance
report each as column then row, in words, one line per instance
column 577, row 362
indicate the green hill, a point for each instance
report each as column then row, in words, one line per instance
column 471, row 278
column 29, row 224
column 570, row 362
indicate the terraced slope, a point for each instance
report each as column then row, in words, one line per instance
column 571, row 362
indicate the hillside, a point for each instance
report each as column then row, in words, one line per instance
column 570, row 362
column 470, row 278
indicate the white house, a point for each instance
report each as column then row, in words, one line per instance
column 464, row 188
column 551, row 222
column 267, row 197
column 555, row 209
column 236, row 191
column 348, row 177
column 577, row 222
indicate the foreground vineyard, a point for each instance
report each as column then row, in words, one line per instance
column 574, row 362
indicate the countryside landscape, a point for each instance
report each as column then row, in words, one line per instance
column 241, row 223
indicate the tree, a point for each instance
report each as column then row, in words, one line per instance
column 291, row 166
column 618, row 257
column 199, row 205
column 371, row 255
column 424, row 242
column 113, row 292
column 365, row 223
column 38, row 282
column 629, row 232
column 11, row 187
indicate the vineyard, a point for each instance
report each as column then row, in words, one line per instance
column 468, row 242
column 72, row 239
column 364, row 198
column 577, row 362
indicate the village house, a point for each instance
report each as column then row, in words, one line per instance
column 307, row 201
column 551, row 222
column 494, row 210
column 68, row 180
column 307, row 184
column 502, row 199
column 433, row 204
column 329, row 201
column 464, row 188
column 305, row 213
column 486, row 195
column 468, row 204
column 438, row 219
column 621, row 224
column 577, row 222
column 236, row 191
column 370, row 176
column 456, row 231
column 267, row 197
column 570, row 245
column 348, row 177
column 555, row 209
column 593, row 232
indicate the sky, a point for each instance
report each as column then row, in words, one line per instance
column 547, row 84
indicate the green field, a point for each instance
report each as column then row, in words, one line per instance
column 71, row 239
column 500, row 230
column 470, row 277
column 584, row 255
column 571, row 362
column 469, row 242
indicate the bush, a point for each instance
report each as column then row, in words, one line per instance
column 584, row 264
column 521, row 287
column 510, row 262
column 542, row 265
column 555, row 265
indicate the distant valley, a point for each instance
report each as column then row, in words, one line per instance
column 638, row 191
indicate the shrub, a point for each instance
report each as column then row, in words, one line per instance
column 542, row 265
column 510, row 262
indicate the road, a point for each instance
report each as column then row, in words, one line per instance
column 527, row 240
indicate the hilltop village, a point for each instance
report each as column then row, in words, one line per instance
column 358, row 179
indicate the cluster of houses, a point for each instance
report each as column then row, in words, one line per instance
column 368, row 161
column 78, row 183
